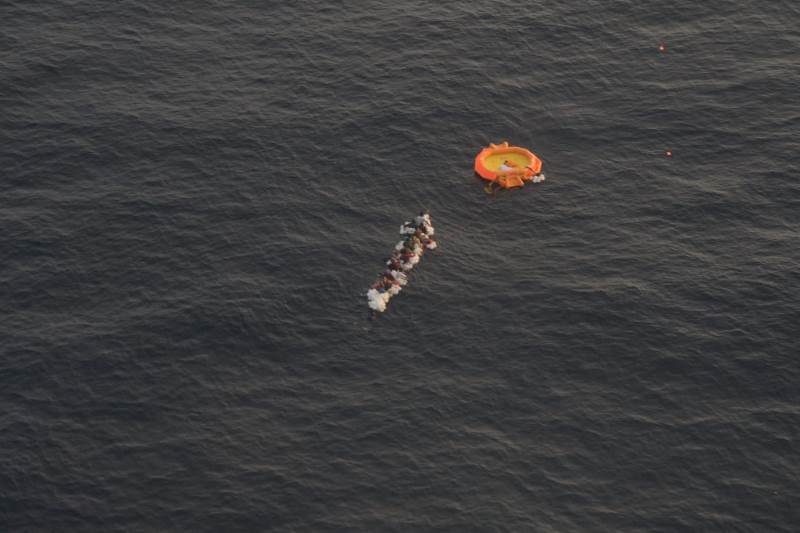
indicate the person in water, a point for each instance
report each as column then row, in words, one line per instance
column 407, row 254
column 380, row 285
column 420, row 235
column 425, row 240
column 394, row 263
column 394, row 275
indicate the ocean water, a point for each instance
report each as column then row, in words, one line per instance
column 195, row 199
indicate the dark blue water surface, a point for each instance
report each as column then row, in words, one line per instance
column 195, row 198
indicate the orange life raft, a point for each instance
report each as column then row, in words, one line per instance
column 508, row 166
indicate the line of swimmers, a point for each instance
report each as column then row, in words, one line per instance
column 418, row 235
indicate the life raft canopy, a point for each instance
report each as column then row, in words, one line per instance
column 508, row 166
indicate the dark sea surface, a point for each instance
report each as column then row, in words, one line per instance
column 196, row 196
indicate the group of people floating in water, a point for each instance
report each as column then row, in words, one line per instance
column 417, row 237
column 519, row 166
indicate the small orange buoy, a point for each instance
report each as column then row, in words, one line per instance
column 668, row 153
column 662, row 48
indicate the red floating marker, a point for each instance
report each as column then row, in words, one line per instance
column 662, row 48
column 668, row 153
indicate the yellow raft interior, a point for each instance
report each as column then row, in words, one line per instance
column 494, row 161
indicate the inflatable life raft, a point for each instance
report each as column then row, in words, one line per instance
column 508, row 166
